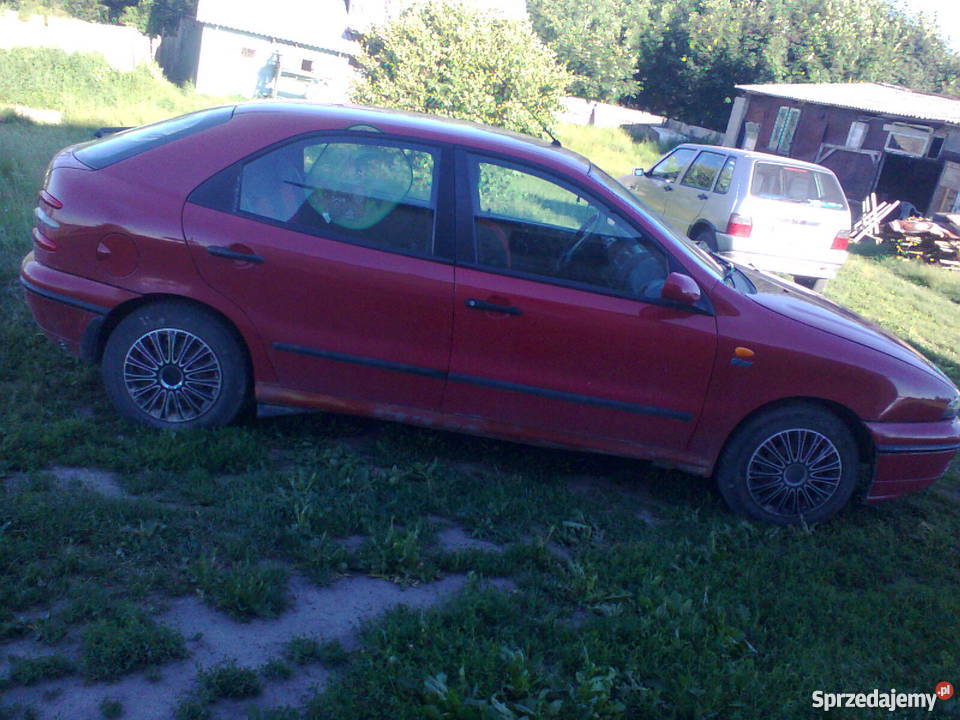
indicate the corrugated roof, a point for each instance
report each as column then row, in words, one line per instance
column 316, row 23
column 869, row 97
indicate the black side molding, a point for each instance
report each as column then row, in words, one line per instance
column 72, row 302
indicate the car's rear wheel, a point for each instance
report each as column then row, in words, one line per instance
column 792, row 464
column 174, row 365
column 815, row 284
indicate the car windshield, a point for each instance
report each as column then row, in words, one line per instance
column 702, row 258
column 773, row 181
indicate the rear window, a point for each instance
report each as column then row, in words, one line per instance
column 123, row 145
column 796, row 184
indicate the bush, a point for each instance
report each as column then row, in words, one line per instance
column 448, row 59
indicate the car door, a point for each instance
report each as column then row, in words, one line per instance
column 335, row 247
column 693, row 191
column 558, row 321
column 656, row 185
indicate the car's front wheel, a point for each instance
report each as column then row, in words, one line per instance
column 792, row 464
column 174, row 365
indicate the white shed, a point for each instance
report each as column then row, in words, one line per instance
column 286, row 48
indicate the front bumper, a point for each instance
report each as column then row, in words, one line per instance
column 68, row 308
column 910, row 456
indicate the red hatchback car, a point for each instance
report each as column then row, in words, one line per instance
column 450, row 275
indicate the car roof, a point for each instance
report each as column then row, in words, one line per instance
column 756, row 156
column 441, row 129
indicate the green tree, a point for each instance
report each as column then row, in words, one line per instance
column 448, row 59
column 692, row 53
column 596, row 40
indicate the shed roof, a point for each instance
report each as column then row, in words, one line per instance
column 878, row 98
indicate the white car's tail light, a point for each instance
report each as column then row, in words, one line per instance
column 841, row 241
column 739, row 225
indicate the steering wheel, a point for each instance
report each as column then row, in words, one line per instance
column 583, row 232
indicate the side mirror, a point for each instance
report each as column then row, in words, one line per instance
column 639, row 171
column 681, row 289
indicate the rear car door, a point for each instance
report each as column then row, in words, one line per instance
column 690, row 195
column 558, row 322
column 338, row 249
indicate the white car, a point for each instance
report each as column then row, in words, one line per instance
column 775, row 213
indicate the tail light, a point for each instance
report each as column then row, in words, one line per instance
column 841, row 240
column 739, row 226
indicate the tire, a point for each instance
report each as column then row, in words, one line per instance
column 176, row 366
column 815, row 284
column 766, row 474
column 706, row 239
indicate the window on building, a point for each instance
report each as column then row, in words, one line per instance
column 306, row 65
column 856, row 135
column 783, row 129
column 248, row 52
column 751, row 131
column 907, row 140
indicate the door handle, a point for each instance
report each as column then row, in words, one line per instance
column 702, row 196
column 224, row 252
column 668, row 188
column 474, row 304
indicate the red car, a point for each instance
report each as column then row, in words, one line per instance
column 450, row 275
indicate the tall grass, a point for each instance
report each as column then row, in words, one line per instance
column 88, row 91
column 612, row 149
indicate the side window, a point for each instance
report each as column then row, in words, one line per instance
column 672, row 165
column 704, row 171
column 371, row 193
column 527, row 224
column 726, row 176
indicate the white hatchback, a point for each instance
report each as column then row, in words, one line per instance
column 777, row 214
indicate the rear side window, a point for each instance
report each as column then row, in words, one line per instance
column 378, row 194
column 124, row 145
column 796, row 184
column 704, row 171
column 726, row 176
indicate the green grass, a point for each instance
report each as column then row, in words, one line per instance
column 127, row 641
column 612, row 149
column 913, row 301
column 698, row 615
column 30, row 671
column 88, row 91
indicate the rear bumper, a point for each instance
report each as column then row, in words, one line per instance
column 69, row 309
column 825, row 265
column 910, row 456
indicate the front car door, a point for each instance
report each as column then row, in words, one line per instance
column 334, row 246
column 656, row 185
column 558, row 322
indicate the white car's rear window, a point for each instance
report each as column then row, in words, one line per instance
column 796, row 184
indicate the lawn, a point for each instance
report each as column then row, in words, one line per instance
column 624, row 590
